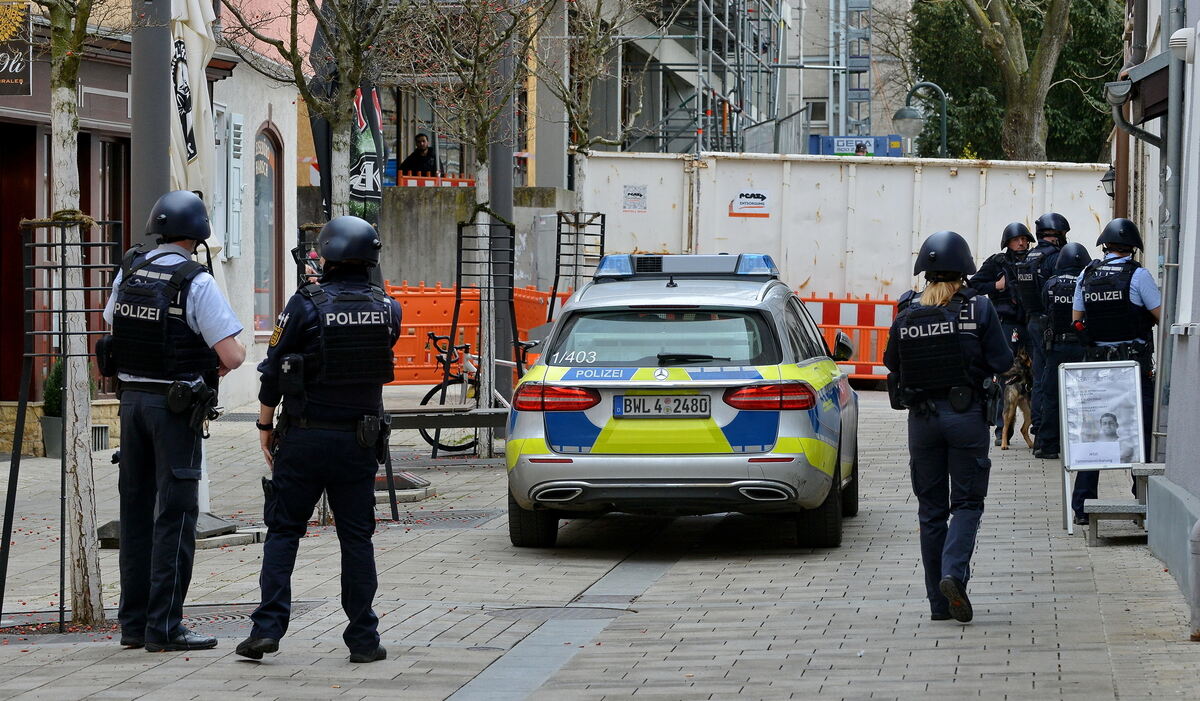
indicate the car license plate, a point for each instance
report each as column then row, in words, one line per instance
column 655, row 406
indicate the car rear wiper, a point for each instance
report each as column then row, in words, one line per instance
column 686, row 357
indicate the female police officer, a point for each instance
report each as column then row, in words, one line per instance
column 328, row 359
column 944, row 343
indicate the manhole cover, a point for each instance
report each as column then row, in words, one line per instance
column 545, row 613
column 446, row 519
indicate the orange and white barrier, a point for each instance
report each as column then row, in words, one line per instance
column 450, row 180
column 865, row 320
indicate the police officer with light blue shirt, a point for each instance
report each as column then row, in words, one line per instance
column 1116, row 307
column 171, row 327
column 943, row 344
column 327, row 362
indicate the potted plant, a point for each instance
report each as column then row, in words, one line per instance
column 52, row 395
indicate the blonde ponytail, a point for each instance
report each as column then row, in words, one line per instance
column 938, row 294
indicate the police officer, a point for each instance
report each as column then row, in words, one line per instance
column 1032, row 273
column 328, row 359
column 1063, row 344
column 170, row 326
column 997, row 279
column 943, row 344
column 1116, row 306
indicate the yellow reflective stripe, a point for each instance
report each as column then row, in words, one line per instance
column 816, row 374
column 768, row 372
column 534, row 374
column 673, row 375
column 661, row 436
column 664, row 391
column 820, row 454
column 555, row 373
column 516, row 447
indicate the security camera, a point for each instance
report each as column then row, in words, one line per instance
column 1117, row 92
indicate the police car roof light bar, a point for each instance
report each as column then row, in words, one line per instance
column 636, row 265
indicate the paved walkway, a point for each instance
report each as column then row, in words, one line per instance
column 706, row 607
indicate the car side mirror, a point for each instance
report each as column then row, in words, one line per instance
column 843, row 347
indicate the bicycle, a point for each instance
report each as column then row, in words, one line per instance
column 460, row 391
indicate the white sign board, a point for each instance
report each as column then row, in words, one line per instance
column 751, row 203
column 1100, row 414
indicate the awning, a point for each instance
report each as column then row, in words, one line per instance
column 1148, row 99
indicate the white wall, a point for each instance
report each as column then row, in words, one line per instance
column 259, row 101
column 837, row 225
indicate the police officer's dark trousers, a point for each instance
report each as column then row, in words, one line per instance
column 308, row 462
column 158, row 481
column 950, row 470
column 1036, row 326
column 1056, row 355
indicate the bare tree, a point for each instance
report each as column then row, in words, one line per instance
column 1026, row 78
column 466, row 58
column 270, row 42
column 72, row 23
column 572, row 66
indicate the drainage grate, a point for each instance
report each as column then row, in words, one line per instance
column 446, row 519
column 243, row 417
column 546, row 613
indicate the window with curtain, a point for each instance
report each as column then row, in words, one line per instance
column 266, row 231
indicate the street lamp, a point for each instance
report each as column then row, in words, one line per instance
column 1109, row 181
column 909, row 122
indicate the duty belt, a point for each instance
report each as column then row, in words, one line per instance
column 351, row 425
column 151, row 387
column 1070, row 337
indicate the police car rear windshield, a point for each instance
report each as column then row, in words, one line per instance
column 670, row 337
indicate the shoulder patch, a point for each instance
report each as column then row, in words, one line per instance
column 279, row 324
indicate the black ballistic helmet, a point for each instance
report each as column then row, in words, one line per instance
column 1016, row 230
column 1072, row 259
column 1120, row 232
column 179, row 214
column 349, row 239
column 945, row 252
column 1052, row 221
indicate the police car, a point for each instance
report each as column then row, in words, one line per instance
column 684, row 384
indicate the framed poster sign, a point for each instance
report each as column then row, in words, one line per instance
column 1100, row 410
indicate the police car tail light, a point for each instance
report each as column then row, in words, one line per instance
column 532, row 396
column 772, row 397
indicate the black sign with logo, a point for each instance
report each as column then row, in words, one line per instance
column 16, row 50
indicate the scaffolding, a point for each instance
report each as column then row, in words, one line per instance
column 713, row 75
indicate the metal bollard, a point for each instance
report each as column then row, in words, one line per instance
column 1194, row 600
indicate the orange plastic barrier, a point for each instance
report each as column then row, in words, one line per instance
column 448, row 180
column 428, row 309
column 865, row 320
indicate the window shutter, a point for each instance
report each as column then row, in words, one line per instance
column 234, row 183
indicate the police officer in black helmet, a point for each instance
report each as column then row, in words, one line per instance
column 1032, row 274
column 328, row 359
column 1063, row 343
column 1116, row 306
column 944, row 342
column 997, row 279
column 171, row 328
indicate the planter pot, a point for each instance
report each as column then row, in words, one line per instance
column 52, row 435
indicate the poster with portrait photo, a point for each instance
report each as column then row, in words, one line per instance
column 1101, row 415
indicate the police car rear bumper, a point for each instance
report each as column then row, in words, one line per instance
column 692, row 484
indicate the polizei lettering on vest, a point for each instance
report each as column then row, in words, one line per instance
column 941, row 329
column 136, row 311
column 1111, row 295
column 1061, row 299
column 355, row 319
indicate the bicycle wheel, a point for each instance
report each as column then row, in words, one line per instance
column 450, row 439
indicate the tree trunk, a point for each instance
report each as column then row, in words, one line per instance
column 487, row 308
column 579, row 165
column 1023, row 137
column 339, row 170
column 86, row 605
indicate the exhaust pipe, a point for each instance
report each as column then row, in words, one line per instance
column 558, row 494
column 764, row 493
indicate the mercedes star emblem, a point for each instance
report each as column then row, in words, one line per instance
column 661, row 374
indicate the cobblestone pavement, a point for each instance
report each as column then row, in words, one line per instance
column 704, row 607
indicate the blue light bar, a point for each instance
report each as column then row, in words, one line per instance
column 756, row 264
column 618, row 265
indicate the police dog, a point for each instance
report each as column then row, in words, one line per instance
column 1018, row 383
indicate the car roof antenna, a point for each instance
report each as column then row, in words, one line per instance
column 671, row 281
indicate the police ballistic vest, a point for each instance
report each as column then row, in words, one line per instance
column 151, row 336
column 1108, row 306
column 356, row 340
column 931, row 354
column 1062, row 295
column 1029, row 281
